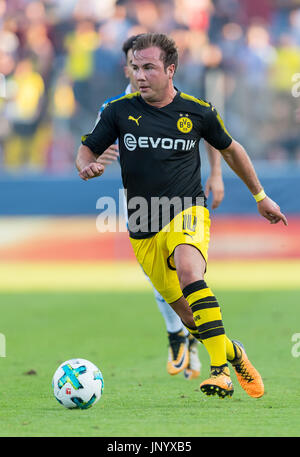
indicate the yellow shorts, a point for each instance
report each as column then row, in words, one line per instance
column 155, row 254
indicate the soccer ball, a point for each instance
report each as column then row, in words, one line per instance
column 77, row 383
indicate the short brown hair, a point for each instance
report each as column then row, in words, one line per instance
column 127, row 45
column 169, row 54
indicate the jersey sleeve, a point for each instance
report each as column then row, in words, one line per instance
column 104, row 134
column 102, row 108
column 214, row 131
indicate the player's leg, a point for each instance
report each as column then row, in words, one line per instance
column 151, row 254
column 190, row 267
column 208, row 319
column 187, row 243
column 182, row 345
column 153, row 261
column 178, row 343
column 178, row 353
column 188, row 246
column 172, row 320
column 194, row 367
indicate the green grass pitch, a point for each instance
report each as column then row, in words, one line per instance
column 124, row 334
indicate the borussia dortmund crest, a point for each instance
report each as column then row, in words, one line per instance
column 184, row 124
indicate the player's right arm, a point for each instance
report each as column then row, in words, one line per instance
column 94, row 144
column 111, row 154
column 87, row 165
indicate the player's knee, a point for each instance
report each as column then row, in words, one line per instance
column 187, row 276
column 190, row 265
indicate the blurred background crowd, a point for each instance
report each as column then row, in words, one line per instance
column 60, row 59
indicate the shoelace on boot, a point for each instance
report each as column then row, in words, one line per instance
column 242, row 370
column 217, row 371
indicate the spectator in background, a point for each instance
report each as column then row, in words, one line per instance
column 72, row 47
column 79, row 68
column 231, row 42
column 251, row 10
column 224, row 12
column 257, row 56
column 286, row 63
column 23, row 110
column 63, row 111
column 195, row 15
column 81, row 45
column 294, row 26
column 40, row 48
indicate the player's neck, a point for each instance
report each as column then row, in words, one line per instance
column 165, row 100
column 133, row 89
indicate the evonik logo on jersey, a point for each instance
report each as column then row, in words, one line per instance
column 144, row 142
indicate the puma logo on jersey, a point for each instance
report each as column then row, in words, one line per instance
column 136, row 120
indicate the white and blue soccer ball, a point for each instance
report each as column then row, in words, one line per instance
column 77, row 383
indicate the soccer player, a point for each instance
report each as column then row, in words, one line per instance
column 159, row 129
column 183, row 347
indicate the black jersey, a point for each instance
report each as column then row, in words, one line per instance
column 159, row 154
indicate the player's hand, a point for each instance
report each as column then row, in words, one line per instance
column 271, row 211
column 93, row 170
column 110, row 155
column 216, row 186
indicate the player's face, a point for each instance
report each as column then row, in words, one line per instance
column 129, row 71
column 152, row 79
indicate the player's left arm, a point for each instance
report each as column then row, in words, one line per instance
column 214, row 182
column 215, row 133
column 239, row 161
